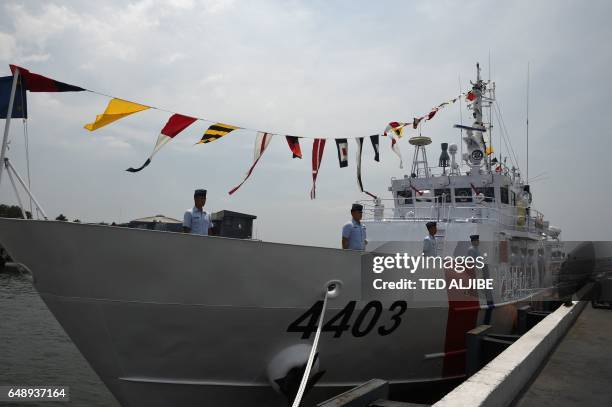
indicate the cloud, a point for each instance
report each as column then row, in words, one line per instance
column 7, row 46
column 37, row 29
column 314, row 69
column 116, row 144
column 35, row 58
column 177, row 56
column 182, row 4
column 218, row 6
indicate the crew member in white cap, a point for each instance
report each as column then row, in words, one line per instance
column 430, row 246
column 354, row 233
column 473, row 250
column 196, row 220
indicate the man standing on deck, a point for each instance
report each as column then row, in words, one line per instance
column 430, row 246
column 473, row 250
column 196, row 220
column 354, row 233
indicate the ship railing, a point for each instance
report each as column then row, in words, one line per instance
column 424, row 209
column 436, row 171
column 519, row 281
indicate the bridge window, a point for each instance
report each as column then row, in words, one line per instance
column 405, row 197
column 489, row 193
column 439, row 192
column 463, row 195
column 504, row 195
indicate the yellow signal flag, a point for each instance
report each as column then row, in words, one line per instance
column 216, row 131
column 116, row 109
column 489, row 150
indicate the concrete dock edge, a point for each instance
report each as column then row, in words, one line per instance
column 500, row 381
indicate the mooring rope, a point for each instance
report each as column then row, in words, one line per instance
column 313, row 351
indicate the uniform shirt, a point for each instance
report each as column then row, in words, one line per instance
column 355, row 232
column 197, row 220
column 473, row 252
column 430, row 246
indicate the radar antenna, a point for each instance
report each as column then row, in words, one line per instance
column 419, row 164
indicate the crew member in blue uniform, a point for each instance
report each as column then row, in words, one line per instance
column 354, row 233
column 196, row 220
column 473, row 250
column 430, row 246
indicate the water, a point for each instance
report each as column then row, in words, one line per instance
column 35, row 350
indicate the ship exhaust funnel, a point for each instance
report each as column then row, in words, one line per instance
column 444, row 157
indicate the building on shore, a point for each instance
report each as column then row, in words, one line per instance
column 157, row 222
column 226, row 223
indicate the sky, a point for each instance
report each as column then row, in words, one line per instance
column 311, row 69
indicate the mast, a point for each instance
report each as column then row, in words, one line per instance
column 527, row 124
column 474, row 139
column 478, row 89
column 7, row 124
column 4, row 161
column 478, row 101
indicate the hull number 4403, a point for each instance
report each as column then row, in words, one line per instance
column 368, row 320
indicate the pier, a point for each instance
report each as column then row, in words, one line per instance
column 561, row 358
column 579, row 370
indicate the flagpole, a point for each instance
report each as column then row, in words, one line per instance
column 7, row 123
column 9, row 168
column 23, row 212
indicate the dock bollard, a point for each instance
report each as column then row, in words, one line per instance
column 522, row 319
column 473, row 354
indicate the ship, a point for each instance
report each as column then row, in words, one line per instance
column 245, row 327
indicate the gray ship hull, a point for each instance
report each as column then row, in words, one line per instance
column 175, row 319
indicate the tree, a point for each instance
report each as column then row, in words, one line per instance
column 62, row 218
column 12, row 211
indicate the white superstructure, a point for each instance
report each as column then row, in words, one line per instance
column 481, row 196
